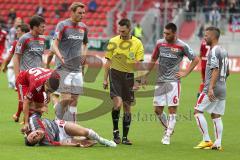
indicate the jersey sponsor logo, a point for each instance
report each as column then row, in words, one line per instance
column 36, row 49
column 41, row 42
column 168, row 55
column 75, row 37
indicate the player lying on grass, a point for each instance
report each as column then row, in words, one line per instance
column 61, row 133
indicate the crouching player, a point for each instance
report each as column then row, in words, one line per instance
column 61, row 133
column 34, row 87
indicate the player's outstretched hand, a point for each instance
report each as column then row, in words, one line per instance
column 136, row 86
column 62, row 60
column 211, row 95
column 4, row 68
column 25, row 128
column 180, row 75
column 105, row 84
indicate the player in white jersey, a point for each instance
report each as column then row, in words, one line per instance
column 212, row 98
column 170, row 52
column 70, row 43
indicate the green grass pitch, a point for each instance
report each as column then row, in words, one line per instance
column 145, row 132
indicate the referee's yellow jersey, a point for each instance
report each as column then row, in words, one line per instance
column 124, row 53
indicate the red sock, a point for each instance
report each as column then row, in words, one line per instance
column 201, row 87
column 20, row 108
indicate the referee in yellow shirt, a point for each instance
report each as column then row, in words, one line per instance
column 123, row 52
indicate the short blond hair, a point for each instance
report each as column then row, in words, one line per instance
column 75, row 5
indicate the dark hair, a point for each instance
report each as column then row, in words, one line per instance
column 125, row 22
column 36, row 21
column 54, row 81
column 215, row 30
column 75, row 5
column 24, row 28
column 172, row 27
column 27, row 143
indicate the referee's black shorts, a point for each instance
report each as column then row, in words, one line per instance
column 121, row 85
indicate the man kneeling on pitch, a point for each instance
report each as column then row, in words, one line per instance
column 34, row 87
column 61, row 133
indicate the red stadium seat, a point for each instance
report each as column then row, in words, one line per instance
column 2, row 6
column 4, row 12
column 103, row 23
column 24, row 13
column 94, row 15
column 55, row 21
column 90, row 22
column 50, row 8
column 111, row 3
column 48, row 20
column 26, row 8
column 101, row 16
column 97, row 22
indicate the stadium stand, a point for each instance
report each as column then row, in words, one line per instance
column 26, row 8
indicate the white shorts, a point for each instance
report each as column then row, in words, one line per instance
column 167, row 94
column 70, row 82
column 204, row 104
column 63, row 136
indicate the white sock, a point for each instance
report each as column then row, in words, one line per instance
column 11, row 77
column 202, row 125
column 218, row 129
column 93, row 135
column 171, row 124
column 163, row 119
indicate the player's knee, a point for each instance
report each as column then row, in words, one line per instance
column 65, row 99
column 172, row 110
column 213, row 115
column 74, row 99
column 117, row 102
column 158, row 110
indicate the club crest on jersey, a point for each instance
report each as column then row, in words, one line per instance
column 131, row 55
column 174, row 49
column 81, row 31
column 19, row 46
column 41, row 42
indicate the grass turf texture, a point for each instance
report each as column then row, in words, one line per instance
column 145, row 132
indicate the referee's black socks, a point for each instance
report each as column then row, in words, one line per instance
column 127, row 118
column 115, row 118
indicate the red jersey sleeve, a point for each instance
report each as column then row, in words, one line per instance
column 156, row 51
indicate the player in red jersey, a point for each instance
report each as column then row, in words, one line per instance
column 34, row 87
column 3, row 37
column 20, row 30
column 204, row 50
